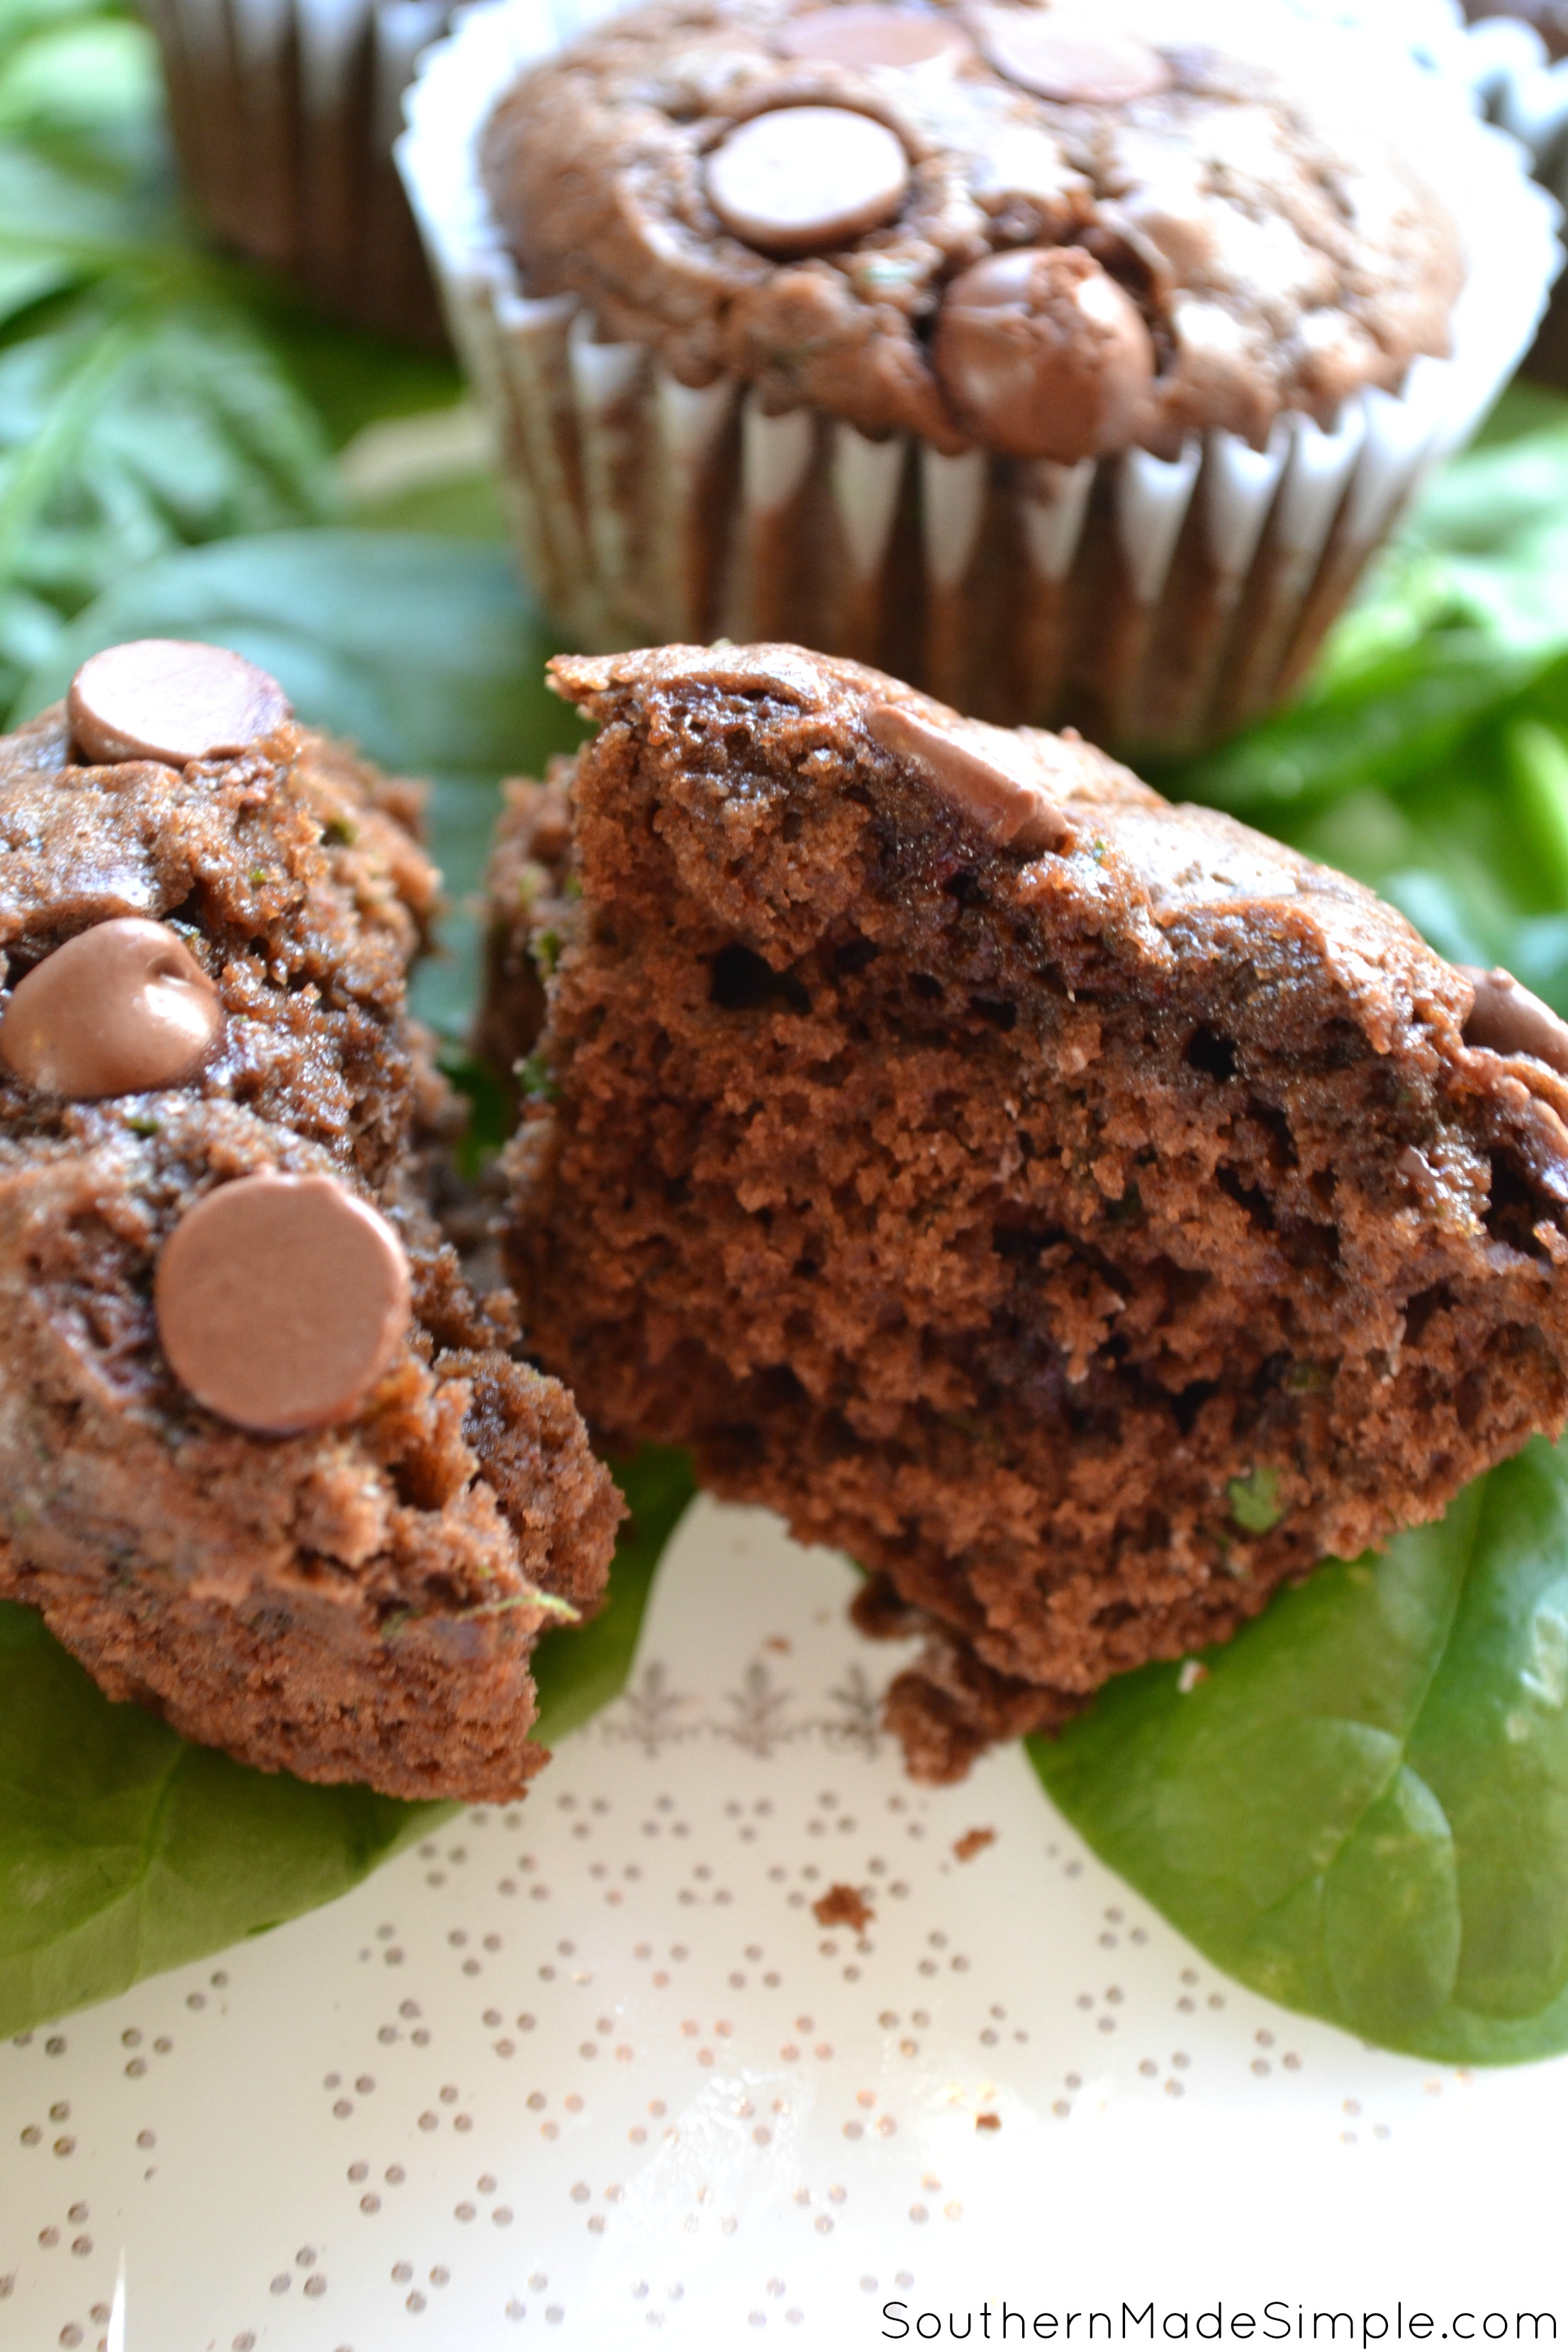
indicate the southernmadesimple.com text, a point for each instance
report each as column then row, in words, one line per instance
column 1273, row 2323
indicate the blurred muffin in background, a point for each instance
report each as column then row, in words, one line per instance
column 284, row 115
column 1519, row 43
column 1549, row 18
column 1068, row 364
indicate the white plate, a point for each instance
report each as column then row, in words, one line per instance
column 590, row 2069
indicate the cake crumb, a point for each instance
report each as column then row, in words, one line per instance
column 973, row 1842
column 844, row 1907
column 988, row 2123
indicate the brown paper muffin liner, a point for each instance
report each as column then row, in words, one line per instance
column 284, row 114
column 1157, row 605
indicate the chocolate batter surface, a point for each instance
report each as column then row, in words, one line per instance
column 1279, row 251
column 1084, row 1238
column 359, row 1603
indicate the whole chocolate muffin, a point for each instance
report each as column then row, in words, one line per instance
column 266, row 1463
column 1038, row 230
column 1085, row 1211
column 1069, row 363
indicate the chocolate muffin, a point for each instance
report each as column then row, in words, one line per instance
column 266, row 1464
column 1087, row 1212
column 1070, row 364
column 283, row 120
column 1011, row 226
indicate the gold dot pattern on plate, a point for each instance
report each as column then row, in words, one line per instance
column 591, row 2068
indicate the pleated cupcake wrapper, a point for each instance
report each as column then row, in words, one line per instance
column 1158, row 602
column 285, row 113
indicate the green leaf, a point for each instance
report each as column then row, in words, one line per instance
column 489, row 1121
column 129, row 429
column 153, row 394
column 1395, row 720
column 1360, row 1805
column 125, row 1849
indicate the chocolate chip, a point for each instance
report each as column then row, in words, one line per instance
column 1507, row 1019
column 160, row 698
column 1042, row 354
column 118, row 1010
column 981, row 768
column 281, row 1301
column 867, row 35
column 1066, row 56
column 806, row 178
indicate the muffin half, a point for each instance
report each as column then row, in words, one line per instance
column 1085, row 1212
column 266, row 1463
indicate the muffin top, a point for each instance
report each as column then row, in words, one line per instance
column 1049, row 230
column 264, row 867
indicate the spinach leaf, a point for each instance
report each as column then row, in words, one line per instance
column 141, row 409
column 153, row 395
column 124, row 1849
column 128, row 426
column 1360, row 1806
column 1403, row 713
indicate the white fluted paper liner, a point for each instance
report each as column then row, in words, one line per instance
column 1159, row 600
column 284, row 114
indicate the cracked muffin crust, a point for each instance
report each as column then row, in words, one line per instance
column 1246, row 242
column 1085, row 1212
column 356, row 1599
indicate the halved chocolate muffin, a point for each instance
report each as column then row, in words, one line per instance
column 1084, row 1211
column 266, row 1463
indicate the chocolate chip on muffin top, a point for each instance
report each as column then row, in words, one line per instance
column 1047, row 230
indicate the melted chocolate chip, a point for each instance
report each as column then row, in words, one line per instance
column 805, row 179
column 1507, row 1019
column 1042, row 354
column 119, row 1009
column 977, row 768
column 866, row 35
column 281, row 1301
column 162, row 699
column 1066, row 55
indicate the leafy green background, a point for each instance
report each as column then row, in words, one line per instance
column 1363, row 1806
